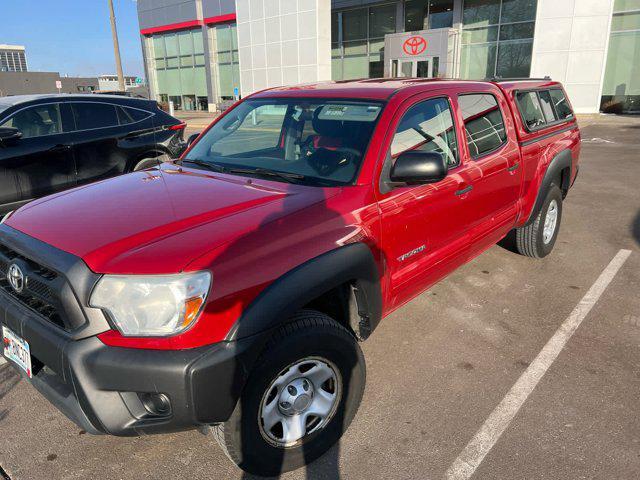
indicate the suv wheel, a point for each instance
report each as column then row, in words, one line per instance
column 538, row 238
column 301, row 397
column 151, row 162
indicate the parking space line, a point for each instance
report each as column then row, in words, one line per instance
column 2, row 361
column 471, row 457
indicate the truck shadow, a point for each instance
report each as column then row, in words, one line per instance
column 635, row 228
column 8, row 380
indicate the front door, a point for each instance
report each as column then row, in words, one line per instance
column 423, row 237
column 41, row 161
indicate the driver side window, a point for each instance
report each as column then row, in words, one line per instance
column 428, row 127
column 37, row 121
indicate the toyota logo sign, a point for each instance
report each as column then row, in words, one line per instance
column 16, row 278
column 414, row 45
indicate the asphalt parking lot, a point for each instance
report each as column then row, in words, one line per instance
column 439, row 367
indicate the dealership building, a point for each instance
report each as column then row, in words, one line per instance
column 201, row 54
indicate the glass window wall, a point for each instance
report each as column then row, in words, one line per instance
column 357, row 41
column 427, row 14
column 497, row 38
column 180, row 68
column 621, row 90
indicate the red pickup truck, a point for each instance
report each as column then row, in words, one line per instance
column 231, row 287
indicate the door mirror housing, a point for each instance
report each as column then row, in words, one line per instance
column 415, row 167
column 192, row 138
column 9, row 134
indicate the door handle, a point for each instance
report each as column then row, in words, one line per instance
column 60, row 148
column 514, row 167
column 464, row 190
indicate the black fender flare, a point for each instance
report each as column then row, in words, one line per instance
column 560, row 162
column 218, row 377
column 289, row 293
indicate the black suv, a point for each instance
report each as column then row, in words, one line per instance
column 49, row 143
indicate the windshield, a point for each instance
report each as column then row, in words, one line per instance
column 314, row 141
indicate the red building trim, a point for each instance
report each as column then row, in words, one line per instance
column 171, row 27
column 229, row 17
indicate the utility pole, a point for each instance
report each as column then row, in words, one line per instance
column 116, row 47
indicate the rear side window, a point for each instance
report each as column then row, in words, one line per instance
column 547, row 106
column 530, row 109
column 94, row 115
column 37, row 121
column 483, row 123
column 130, row 115
column 560, row 103
column 427, row 127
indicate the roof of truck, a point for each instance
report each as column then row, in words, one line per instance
column 383, row 88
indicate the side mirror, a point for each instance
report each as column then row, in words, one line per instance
column 192, row 138
column 416, row 167
column 9, row 134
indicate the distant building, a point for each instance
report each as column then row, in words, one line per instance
column 200, row 53
column 110, row 82
column 12, row 58
column 26, row 83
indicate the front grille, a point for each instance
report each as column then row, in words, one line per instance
column 37, row 295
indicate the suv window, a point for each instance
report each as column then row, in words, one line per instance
column 428, row 127
column 483, row 123
column 37, row 121
column 530, row 109
column 560, row 103
column 130, row 115
column 88, row 115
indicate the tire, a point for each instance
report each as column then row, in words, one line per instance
column 310, row 342
column 150, row 162
column 537, row 239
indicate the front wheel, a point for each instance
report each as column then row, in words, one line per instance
column 538, row 237
column 299, row 400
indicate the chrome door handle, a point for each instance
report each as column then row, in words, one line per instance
column 464, row 190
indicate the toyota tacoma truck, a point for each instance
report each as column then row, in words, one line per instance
column 229, row 290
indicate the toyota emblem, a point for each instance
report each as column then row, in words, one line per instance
column 414, row 45
column 16, row 278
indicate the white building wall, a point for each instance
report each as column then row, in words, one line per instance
column 570, row 45
column 283, row 42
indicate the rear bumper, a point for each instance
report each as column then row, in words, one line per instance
column 97, row 386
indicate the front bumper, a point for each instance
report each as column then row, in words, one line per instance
column 97, row 386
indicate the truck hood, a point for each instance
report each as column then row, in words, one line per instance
column 158, row 221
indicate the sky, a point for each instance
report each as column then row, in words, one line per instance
column 73, row 37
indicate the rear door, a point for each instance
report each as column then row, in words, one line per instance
column 41, row 161
column 424, row 236
column 97, row 146
column 494, row 175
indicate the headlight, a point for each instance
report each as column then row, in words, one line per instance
column 152, row 305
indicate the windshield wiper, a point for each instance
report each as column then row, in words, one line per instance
column 286, row 176
column 215, row 167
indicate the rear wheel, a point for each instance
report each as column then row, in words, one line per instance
column 538, row 237
column 301, row 397
column 150, row 162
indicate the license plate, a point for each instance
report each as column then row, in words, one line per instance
column 17, row 350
